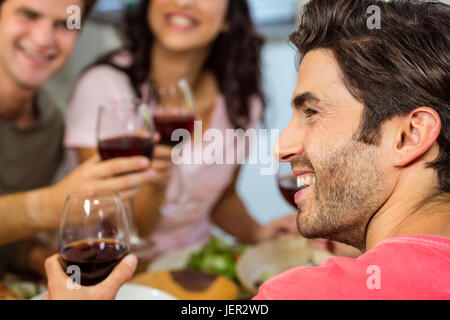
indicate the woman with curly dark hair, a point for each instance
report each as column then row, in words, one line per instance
column 212, row 44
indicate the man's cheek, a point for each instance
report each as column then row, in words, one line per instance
column 13, row 28
column 67, row 46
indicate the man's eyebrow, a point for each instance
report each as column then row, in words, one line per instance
column 29, row 12
column 300, row 100
column 35, row 14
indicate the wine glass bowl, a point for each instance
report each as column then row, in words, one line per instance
column 126, row 146
column 125, row 128
column 167, row 122
column 175, row 110
column 93, row 235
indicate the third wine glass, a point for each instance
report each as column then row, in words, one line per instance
column 175, row 109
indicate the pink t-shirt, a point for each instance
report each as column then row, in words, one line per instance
column 407, row 267
column 189, row 223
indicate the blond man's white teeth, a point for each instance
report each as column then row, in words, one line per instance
column 314, row 180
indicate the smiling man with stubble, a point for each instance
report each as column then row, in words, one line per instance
column 371, row 127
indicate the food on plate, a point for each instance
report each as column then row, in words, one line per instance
column 190, row 284
column 267, row 259
column 7, row 294
column 263, row 277
column 217, row 257
column 14, row 288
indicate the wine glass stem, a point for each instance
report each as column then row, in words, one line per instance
column 181, row 196
column 132, row 229
column 168, row 208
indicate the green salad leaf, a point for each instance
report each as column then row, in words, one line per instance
column 217, row 257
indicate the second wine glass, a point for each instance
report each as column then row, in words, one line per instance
column 125, row 129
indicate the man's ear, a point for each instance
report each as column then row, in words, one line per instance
column 417, row 132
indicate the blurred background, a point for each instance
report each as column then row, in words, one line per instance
column 275, row 20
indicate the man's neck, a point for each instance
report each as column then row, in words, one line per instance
column 17, row 104
column 411, row 211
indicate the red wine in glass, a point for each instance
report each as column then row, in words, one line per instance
column 166, row 124
column 288, row 188
column 95, row 258
column 127, row 146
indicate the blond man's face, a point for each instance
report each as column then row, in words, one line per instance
column 36, row 42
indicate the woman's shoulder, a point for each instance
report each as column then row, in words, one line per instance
column 101, row 76
column 109, row 67
column 121, row 58
column 256, row 105
column 101, row 81
column 103, row 72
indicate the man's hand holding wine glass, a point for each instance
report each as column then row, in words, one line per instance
column 122, row 175
column 105, row 290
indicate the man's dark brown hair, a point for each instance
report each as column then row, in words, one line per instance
column 392, row 70
column 89, row 6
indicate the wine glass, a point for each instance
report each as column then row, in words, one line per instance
column 125, row 129
column 93, row 236
column 287, row 183
column 175, row 109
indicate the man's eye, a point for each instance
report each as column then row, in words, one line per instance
column 310, row 112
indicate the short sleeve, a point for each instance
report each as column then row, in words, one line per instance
column 96, row 86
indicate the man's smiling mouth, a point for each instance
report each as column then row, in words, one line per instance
column 37, row 57
column 305, row 180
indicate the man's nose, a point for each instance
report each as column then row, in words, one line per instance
column 289, row 144
column 43, row 34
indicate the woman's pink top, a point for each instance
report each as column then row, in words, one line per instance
column 188, row 223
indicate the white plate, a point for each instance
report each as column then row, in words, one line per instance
column 134, row 292
column 137, row 292
column 175, row 260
